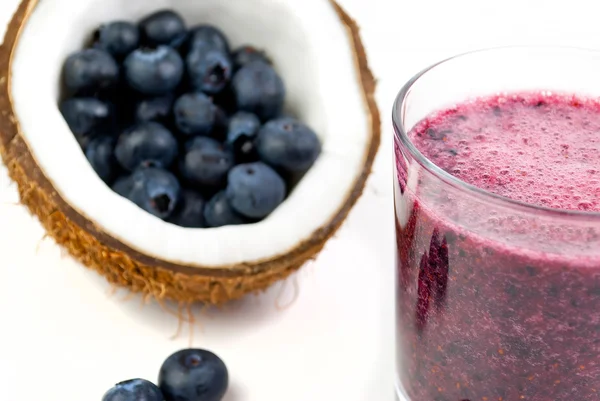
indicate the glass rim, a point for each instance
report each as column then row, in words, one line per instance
column 401, row 135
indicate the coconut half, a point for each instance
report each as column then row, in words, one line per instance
column 316, row 48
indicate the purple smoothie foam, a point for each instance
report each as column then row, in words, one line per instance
column 542, row 150
column 493, row 305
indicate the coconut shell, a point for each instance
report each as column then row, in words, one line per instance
column 126, row 267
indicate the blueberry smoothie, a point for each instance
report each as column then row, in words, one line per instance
column 499, row 300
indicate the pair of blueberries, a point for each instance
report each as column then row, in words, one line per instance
column 187, row 375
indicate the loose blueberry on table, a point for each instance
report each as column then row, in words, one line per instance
column 183, row 125
column 186, row 375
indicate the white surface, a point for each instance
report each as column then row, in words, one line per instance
column 331, row 103
column 64, row 339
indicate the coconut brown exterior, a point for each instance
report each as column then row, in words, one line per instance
column 129, row 268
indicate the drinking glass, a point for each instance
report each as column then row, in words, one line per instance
column 497, row 300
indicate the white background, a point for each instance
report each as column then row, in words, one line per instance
column 63, row 337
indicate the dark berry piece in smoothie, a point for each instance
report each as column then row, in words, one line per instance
column 119, row 38
column 154, row 71
column 90, row 70
column 255, row 190
column 155, row 190
column 442, row 271
column 134, row 390
column 433, row 279
column 259, row 90
column 423, row 294
column 162, row 28
column 193, row 375
column 438, row 135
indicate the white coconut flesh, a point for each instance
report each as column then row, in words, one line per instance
column 310, row 48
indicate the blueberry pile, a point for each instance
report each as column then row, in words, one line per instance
column 181, row 125
column 187, row 375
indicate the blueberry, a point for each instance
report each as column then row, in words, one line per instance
column 162, row 27
column 87, row 117
column 154, row 71
column 259, row 90
column 154, row 190
column 195, row 114
column 247, row 54
column 154, row 109
column 206, row 162
column 134, row 390
column 255, row 189
column 209, row 70
column 208, row 37
column 146, row 145
column 193, row 375
column 90, row 70
column 189, row 211
column 241, row 134
column 288, row 144
column 100, row 154
column 119, row 38
column 218, row 212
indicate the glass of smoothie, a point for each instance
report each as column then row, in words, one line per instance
column 497, row 208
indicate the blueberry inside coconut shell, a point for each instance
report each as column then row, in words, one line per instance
column 214, row 272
